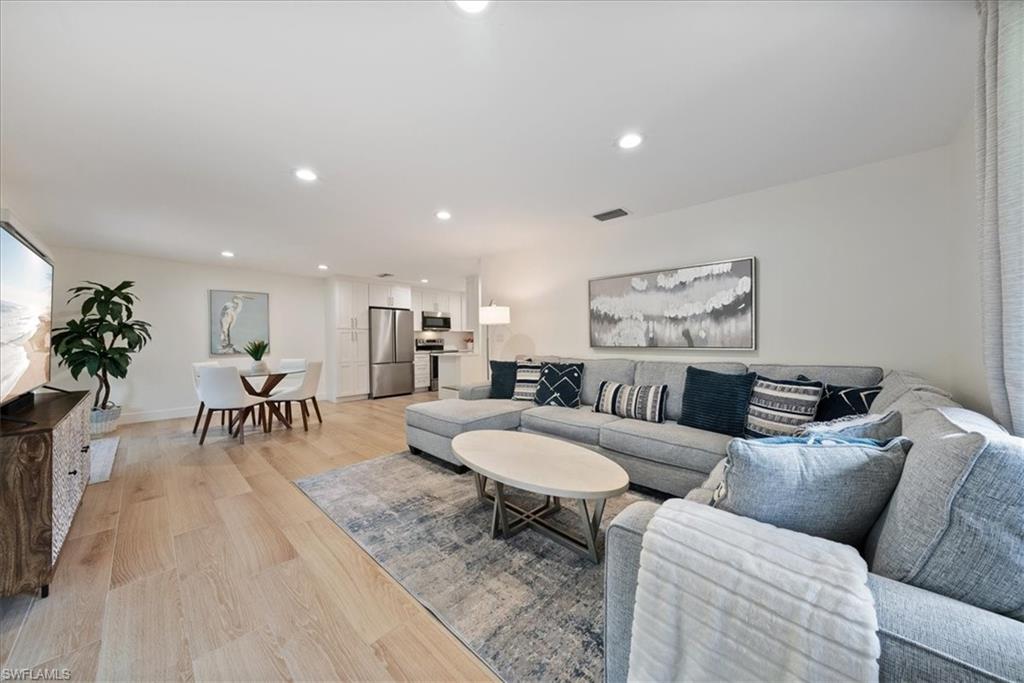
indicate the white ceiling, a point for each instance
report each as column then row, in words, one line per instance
column 173, row 129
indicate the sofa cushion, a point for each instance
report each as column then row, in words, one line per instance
column 954, row 524
column 452, row 416
column 638, row 402
column 780, row 407
column 559, row 385
column 870, row 426
column 915, row 404
column 716, row 401
column 673, row 374
column 503, row 378
column 824, row 486
column 527, row 378
column 597, row 370
column 849, row 375
column 667, row 443
column 899, row 382
column 576, row 424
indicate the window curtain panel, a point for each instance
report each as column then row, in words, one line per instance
column 1000, row 168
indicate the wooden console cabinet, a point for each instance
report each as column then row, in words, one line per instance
column 44, row 468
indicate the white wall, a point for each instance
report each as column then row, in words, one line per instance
column 175, row 300
column 854, row 267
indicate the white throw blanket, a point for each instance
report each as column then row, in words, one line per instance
column 723, row 597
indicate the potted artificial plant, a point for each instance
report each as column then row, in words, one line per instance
column 256, row 349
column 101, row 342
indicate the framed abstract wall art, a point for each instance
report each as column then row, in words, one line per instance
column 708, row 306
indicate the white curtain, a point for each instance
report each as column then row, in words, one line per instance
column 1000, row 141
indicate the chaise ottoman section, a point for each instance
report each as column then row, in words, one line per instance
column 430, row 427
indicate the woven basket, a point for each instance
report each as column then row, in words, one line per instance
column 104, row 420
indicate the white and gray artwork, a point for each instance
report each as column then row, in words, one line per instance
column 237, row 318
column 709, row 306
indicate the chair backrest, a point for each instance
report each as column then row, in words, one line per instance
column 195, row 371
column 311, row 380
column 220, row 387
column 293, row 363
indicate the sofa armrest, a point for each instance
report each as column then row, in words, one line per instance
column 621, row 565
column 474, row 392
column 929, row 637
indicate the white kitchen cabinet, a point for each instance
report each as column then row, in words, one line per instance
column 354, row 379
column 353, row 304
column 455, row 308
column 353, row 362
column 421, row 370
column 391, row 296
column 417, row 310
column 353, row 346
column 435, row 301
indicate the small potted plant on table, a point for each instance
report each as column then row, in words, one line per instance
column 101, row 342
column 256, row 350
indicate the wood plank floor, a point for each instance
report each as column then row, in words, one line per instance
column 206, row 563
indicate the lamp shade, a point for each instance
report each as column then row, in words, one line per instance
column 495, row 315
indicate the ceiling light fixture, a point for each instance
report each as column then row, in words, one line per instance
column 322, row 267
column 630, row 141
column 307, row 174
column 443, row 215
column 424, row 280
column 472, row 6
column 228, row 254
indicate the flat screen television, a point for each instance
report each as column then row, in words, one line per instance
column 26, row 306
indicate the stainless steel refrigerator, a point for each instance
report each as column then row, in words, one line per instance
column 391, row 352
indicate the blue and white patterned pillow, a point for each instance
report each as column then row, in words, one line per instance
column 559, row 385
column 638, row 402
column 527, row 377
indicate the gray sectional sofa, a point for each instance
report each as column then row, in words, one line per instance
column 666, row 457
column 925, row 636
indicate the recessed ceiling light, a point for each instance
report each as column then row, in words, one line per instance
column 472, row 6
column 424, row 280
column 322, row 266
column 307, row 174
column 228, row 254
column 630, row 140
column 443, row 215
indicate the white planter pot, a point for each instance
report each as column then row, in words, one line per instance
column 260, row 366
column 104, row 420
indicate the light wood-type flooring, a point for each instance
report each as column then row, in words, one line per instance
column 206, row 563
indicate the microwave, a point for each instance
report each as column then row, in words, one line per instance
column 436, row 321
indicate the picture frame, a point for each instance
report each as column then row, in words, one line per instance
column 236, row 318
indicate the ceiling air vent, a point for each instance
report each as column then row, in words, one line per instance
column 385, row 274
column 609, row 215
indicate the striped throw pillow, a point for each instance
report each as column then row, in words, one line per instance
column 640, row 402
column 781, row 407
column 527, row 377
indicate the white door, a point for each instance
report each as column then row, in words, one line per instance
column 361, row 305
column 380, row 295
column 401, row 296
column 417, row 310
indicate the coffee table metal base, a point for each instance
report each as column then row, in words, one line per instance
column 509, row 519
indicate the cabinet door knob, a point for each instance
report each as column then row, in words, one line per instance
column 73, row 472
column 85, row 449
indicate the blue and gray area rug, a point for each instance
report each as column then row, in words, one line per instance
column 528, row 607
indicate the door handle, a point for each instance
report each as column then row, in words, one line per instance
column 73, row 472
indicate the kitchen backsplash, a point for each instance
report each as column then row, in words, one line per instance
column 452, row 340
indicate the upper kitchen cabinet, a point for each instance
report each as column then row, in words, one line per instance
column 455, row 308
column 391, row 296
column 436, row 301
column 353, row 305
column 417, row 310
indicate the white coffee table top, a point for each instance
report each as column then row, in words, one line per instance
column 540, row 464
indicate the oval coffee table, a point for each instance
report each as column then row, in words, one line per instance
column 540, row 464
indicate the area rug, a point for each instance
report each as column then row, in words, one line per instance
column 101, row 458
column 530, row 608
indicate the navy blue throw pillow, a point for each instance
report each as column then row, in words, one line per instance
column 837, row 401
column 715, row 401
column 503, row 378
column 559, row 385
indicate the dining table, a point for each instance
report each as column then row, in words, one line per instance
column 273, row 377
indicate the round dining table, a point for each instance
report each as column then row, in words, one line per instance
column 273, row 378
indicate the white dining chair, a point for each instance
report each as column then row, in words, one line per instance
column 220, row 389
column 195, row 385
column 305, row 392
column 293, row 381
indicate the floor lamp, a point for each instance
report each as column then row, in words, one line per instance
column 491, row 315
